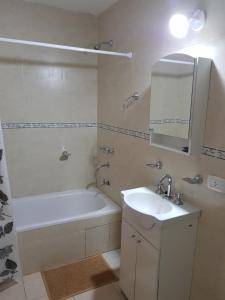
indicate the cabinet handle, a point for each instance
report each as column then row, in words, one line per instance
column 133, row 236
column 138, row 241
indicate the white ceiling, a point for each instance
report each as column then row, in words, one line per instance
column 95, row 7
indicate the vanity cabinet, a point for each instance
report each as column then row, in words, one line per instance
column 146, row 270
column 156, row 263
column 138, row 275
column 128, row 260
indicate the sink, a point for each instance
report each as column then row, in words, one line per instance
column 148, row 208
column 147, row 203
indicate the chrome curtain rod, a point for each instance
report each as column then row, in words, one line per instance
column 63, row 47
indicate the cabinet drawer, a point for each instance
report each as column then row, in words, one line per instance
column 149, row 230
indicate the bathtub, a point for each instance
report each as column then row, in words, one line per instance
column 58, row 228
column 57, row 208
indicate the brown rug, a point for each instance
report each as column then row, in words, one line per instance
column 76, row 278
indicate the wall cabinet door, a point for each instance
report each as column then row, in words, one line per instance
column 128, row 260
column 147, row 264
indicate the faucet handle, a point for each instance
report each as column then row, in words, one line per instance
column 105, row 182
column 178, row 198
column 157, row 165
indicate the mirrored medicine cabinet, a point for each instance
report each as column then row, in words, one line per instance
column 178, row 104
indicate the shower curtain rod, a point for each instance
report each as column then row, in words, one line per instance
column 63, row 47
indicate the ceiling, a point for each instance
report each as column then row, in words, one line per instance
column 94, row 7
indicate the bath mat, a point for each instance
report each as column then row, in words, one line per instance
column 76, row 278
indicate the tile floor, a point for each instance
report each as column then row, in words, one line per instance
column 35, row 289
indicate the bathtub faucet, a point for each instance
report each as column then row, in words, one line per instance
column 106, row 165
column 91, row 184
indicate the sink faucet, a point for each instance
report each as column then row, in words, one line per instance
column 169, row 185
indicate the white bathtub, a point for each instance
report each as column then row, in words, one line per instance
column 57, row 228
column 57, row 208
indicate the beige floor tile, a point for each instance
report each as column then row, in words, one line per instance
column 116, row 286
column 34, row 286
column 46, row 298
column 16, row 292
column 106, row 292
column 112, row 258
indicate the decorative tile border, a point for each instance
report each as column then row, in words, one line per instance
column 216, row 153
column 169, row 121
column 10, row 125
column 134, row 133
column 212, row 152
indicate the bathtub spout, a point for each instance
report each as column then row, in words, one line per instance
column 106, row 165
column 90, row 184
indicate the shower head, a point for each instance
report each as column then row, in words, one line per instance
column 99, row 45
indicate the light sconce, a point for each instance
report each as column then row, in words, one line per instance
column 179, row 24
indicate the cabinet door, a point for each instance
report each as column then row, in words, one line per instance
column 128, row 260
column 146, row 271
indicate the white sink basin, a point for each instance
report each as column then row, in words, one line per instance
column 150, row 207
column 147, row 203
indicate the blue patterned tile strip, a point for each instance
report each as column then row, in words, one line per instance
column 212, row 152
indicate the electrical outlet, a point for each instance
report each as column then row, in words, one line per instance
column 216, row 183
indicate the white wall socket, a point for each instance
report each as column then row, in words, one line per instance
column 216, row 183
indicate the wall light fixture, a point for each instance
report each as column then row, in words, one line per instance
column 179, row 24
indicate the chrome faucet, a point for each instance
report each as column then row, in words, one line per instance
column 102, row 166
column 106, row 165
column 90, row 184
column 169, row 186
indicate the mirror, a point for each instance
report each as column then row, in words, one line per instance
column 171, row 95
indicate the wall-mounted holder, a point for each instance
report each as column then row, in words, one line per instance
column 131, row 100
column 194, row 180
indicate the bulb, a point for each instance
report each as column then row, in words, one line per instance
column 198, row 19
column 179, row 26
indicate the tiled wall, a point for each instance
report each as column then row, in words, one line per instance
column 142, row 27
column 50, row 95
